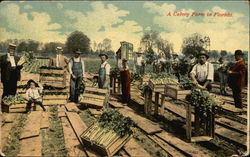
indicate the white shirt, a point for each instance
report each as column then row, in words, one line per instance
column 70, row 65
column 107, row 67
column 119, row 63
column 203, row 72
column 58, row 57
column 34, row 93
column 138, row 60
column 12, row 60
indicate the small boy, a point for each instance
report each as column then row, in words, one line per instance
column 33, row 94
column 95, row 82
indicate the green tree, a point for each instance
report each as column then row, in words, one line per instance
column 77, row 40
column 194, row 43
column 223, row 53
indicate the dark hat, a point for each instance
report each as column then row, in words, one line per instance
column 175, row 54
column 78, row 51
column 202, row 53
column 12, row 46
column 124, row 60
column 239, row 53
column 32, row 81
column 104, row 54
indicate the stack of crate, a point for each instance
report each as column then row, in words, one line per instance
column 55, row 77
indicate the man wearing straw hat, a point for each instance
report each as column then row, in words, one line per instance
column 202, row 73
column 76, row 69
column 10, row 71
column 104, row 72
column 59, row 61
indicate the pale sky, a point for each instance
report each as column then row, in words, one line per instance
column 126, row 21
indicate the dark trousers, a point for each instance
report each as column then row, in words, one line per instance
column 209, row 86
column 9, row 88
column 237, row 97
column 75, row 89
column 28, row 107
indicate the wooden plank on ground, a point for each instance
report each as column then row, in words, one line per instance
column 201, row 139
column 71, row 107
column 45, row 120
column 231, row 124
column 181, row 145
column 231, row 135
column 134, row 149
column 31, row 146
column 165, row 146
column 72, row 143
column 32, row 126
column 232, row 108
column 116, row 104
column 61, row 111
column 6, row 128
column 143, row 123
column 77, row 124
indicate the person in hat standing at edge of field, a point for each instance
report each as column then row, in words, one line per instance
column 104, row 72
column 59, row 61
column 10, row 71
column 223, row 76
column 77, row 70
column 202, row 73
column 175, row 65
column 125, row 81
column 237, row 78
column 139, row 64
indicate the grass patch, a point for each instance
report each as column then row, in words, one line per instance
column 87, row 118
column 53, row 138
column 150, row 146
column 13, row 146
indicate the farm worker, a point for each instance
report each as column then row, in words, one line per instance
column 119, row 59
column 139, row 64
column 95, row 82
column 175, row 65
column 76, row 69
column 104, row 72
column 125, row 81
column 223, row 76
column 33, row 94
column 237, row 78
column 10, row 71
column 59, row 61
column 191, row 61
column 202, row 73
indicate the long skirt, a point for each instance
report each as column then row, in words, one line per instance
column 125, row 82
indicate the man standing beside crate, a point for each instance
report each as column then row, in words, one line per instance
column 203, row 72
column 76, row 69
column 104, row 72
column 237, row 75
column 139, row 64
column 10, row 71
column 59, row 61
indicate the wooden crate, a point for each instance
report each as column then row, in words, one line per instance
column 156, row 87
column 111, row 148
column 95, row 97
column 15, row 108
column 55, row 81
column 176, row 92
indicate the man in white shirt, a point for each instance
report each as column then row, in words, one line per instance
column 203, row 72
column 59, row 61
column 104, row 72
column 10, row 71
column 76, row 69
column 139, row 64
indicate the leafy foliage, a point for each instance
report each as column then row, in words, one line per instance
column 114, row 120
column 186, row 83
column 78, row 40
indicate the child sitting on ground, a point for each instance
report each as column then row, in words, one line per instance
column 33, row 94
column 95, row 82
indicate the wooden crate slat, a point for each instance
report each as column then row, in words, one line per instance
column 71, row 107
column 97, row 90
column 55, row 97
column 92, row 102
column 93, row 96
column 175, row 92
column 50, row 78
column 54, row 102
column 51, row 71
